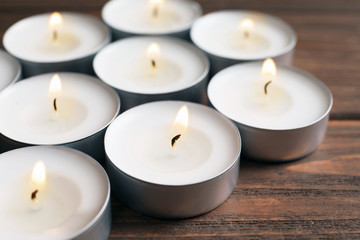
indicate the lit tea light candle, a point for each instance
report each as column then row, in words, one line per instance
column 151, row 17
column 10, row 70
column 281, row 113
column 181, row 159
column 145, row 69
column 71, row 115
column 56, row 42
column 45, row 201
column 235, row 36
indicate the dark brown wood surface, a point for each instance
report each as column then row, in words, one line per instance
column 317, row 197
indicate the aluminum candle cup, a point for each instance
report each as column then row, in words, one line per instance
column 285, row 124
column 85, row 106
column 54, row 43
column 10, row 70
column 53, row 193
column 155, row 171
column 235, row 36
column 147, row 69
column 151, row 17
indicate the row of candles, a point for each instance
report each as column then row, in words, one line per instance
column 167, row 159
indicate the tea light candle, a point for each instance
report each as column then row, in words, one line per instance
column 281, row 116
column 171, row 165
column 57, row 42
column 53, row 193
column 151, row 17
column 10, row 70
column 235, row 36
column 144, row 69
column 70, row 113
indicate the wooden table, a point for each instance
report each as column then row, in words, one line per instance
column 317, row 197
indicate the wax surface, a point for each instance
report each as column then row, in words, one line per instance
column 126, row 66
column 28, row 112
column 295, row 98
column 80, row 36
column 136, row 16
column 138, row 142
column 219, row 34
column 10, row 70
column 77, row 190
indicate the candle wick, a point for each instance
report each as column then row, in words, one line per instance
column 33, row 194
column 174, row 139
column 266, row 86
column 153, row 63
column 55, row 35
column 55, row 105
column 155, row 12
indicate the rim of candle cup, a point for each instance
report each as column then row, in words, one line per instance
column 17, row 66
column 220, row 115
column 109, row 89
column 107, row 7
column 99, row 24
column 176, row 41
column 270, row 18
column 96, row 165
column 297, row 70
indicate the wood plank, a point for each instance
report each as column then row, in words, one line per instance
column 209, row 5
column 316, row 197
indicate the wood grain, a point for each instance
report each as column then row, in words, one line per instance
column 316, row 197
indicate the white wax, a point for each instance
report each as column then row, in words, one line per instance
column 136, row 16
column 295, row 98
column 86, row 106
column 138, row 143
column 80, row 36
column 125, row 65
column 77, row 192
column 10, row 70
column 218, row 33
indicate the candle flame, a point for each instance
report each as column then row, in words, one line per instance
column 55, row 86
column 182, row 119
column 55, row 21
column 153, row 50
column 246, row 26
column 155, row 5
column 38, row 175
column 268, row 68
